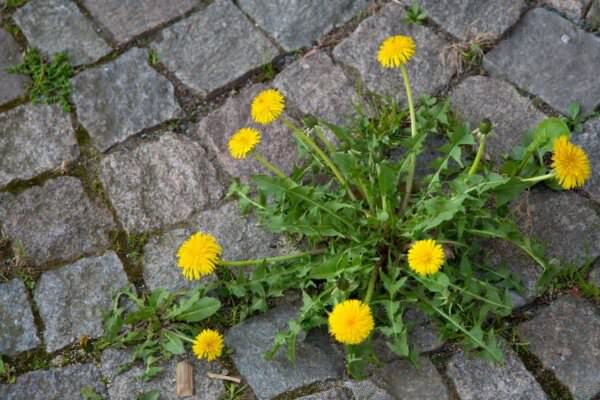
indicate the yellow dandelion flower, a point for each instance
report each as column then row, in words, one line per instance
column 243, row 142
column 570, row 163
column 198, row 255
column 351, row 322
column 396, row 51
column 267, row 106
column 425, row 257
column 208, row 344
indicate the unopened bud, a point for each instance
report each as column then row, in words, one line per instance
column 485, row 126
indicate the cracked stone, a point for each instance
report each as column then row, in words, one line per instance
column 277, row 143
column 479, row 379
column 73, row 299
column 316, row 359
column 589, row 140
column 11, row 85
column 569, row 69
column 160, row 183
column 59, row 383
column 564, row 337
column 34, row 139
column 318, row 87
column 298, row 23
column 125, row 19
column 128, row 385
column 512, row 115
column 117, row 100
column 18, row 329
column 573, row 9
column 56, row 26
column 428, row 73
column 55, row 222
column 214, row 47
column 239, row 236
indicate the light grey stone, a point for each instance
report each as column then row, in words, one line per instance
column 594, row 277
column 512, row 115
column 119, row 99
column 368, row 390
column 277, row 144
column 550, row 57
column 589, row 140
column 55, row 222
column 479, row 379
column 11, row 85
column 214, row 47
column 73, row 299
column 56, row 26
column 318, row 87
column 316, row 359
column 331, row 394
column 34, row 139
column 18, row 329
column 159, row 183
column 427, row 70
column 573, row 9
column 128, row 385
column 298, row 23
column 564, row 337
column 56, row 384
column 125, row 19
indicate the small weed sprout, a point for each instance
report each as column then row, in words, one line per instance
column 415, row 14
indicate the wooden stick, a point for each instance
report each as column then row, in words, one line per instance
column 224, row 377
column 184, row 378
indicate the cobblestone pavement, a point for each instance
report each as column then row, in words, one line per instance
column 142, row 153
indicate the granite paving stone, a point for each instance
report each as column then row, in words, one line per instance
column 592, row 18
column 125, row 19
column 213, row 47
column 316, row 359
column 119, row 99
column 330, row 394
column 479, row 379
column 573, row 9
column 18, row 329
column 277, row 144
column 594, row 277
column 34, row 139
column 55, row 221
column 551, row 58
column 589, row 140
column 319, row 88
column 72, row 299
column 56, row 26
column 368, row 390
column 56, row 384
column 564, row 337
column 427, row 70
column 128, row 385
column 11, row 85
column 159, row 183
column 298, row 23
column 512, row 114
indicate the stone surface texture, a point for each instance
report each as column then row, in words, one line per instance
column 512, row 115
column 56, row 26
column 479, row 379
column 213, row 47
column 368, row 390
column 298, row 23
column 569, row 69
column 592, row 18
column 55, row 222
column 330, row 394
column 574, row 9
column 318, row 87
column 73, row 299
column 277, row 144
column 125, row 19
column 119, row 99
column 564, row 337
column 34, row 139
column 316, row 360
column 427, row 70
column 55, row 384
column 128, row 385
column 11, row 85
column 159, row 183
column 18, row 329
column 589, row 140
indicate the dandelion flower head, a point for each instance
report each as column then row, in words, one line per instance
column 198, row 255
column 267, row 106
column 396, row 51
column 425, row 257
column 570, row 163
column 243, row 142
column 208, row 344
column 351, row 322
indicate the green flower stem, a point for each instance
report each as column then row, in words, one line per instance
column 182, row 336
column 478, row 156
column 263, row 161
column 540, row 178
column 524, row 161
column 255, row 261
column 413, row 133
column 371, row 285
column 324, row 139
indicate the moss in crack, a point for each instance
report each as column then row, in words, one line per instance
column 130, row 248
